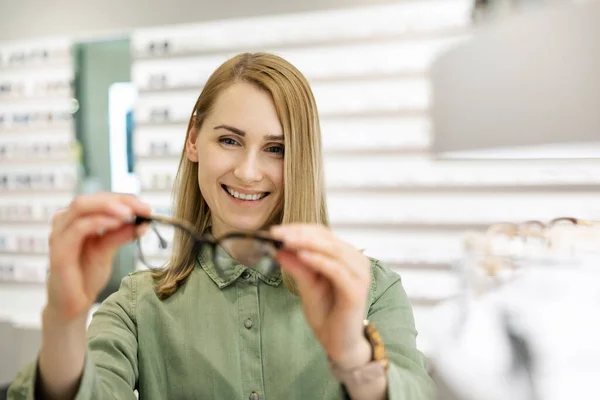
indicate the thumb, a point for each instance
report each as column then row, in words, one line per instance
column 105, row 247
column 111, row 241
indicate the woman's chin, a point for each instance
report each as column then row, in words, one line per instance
column 249, row 225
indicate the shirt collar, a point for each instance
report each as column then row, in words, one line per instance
column 230, row 270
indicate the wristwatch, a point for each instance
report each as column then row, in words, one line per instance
column 376, row 368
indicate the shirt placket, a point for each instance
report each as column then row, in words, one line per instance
column 250, row 337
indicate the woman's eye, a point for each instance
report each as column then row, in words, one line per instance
column 279, row 150
column 228, row 141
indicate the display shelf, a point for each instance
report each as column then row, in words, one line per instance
column 37, row 170
column 24, row 222
column 37, row 161
column 29, row 192
column 407, row 226
column 399, row 266
column 428, row 302
column 65, row 61
column 447, row 187
column 49, row 129
column 22, row 253
column 181, row 88
column 34, row 99
column 156, row 157
column 323, row 41
column 374, row 151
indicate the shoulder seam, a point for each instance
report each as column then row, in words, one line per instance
column 374, row 264
column 377, row 263
column 133, row 298
column 388, row 288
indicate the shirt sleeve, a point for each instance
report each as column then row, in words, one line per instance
column 110, row 370
column 392, row 315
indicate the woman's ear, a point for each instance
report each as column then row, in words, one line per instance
column 191, row 146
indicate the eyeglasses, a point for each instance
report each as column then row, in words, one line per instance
column 251, row 249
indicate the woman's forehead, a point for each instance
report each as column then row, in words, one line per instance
column 248, row 109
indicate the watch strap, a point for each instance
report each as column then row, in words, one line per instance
column 376, row 368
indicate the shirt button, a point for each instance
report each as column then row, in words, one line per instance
column 248, row 323
column 246, row 275
column 254, row 396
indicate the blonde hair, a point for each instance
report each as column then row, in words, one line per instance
column 304, row 190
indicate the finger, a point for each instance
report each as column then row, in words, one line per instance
column 67, row 245
column 304, row 277
column 122, row 206
column 312, row 237
column 318, row 238
column 121, row 236
column 351, row 256
column 102, row 250
column 340, row 277
column 311, row 286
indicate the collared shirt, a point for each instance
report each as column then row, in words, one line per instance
column 230, row 333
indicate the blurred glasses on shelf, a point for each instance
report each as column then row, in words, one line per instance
column 251, row 249
column 40, row 56
column 21, row 151
column 7, row 272
column 159, row 181
column 35, row 119
column 13, row 212
column 157, row 81
column 47, row 88
column 38, row 181
column 159, row 114
column 159, row 148
column 155, row 48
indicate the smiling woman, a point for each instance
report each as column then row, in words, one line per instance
column 248, row 112
column 216, row 320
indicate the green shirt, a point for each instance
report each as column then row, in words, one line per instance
column 226, row 334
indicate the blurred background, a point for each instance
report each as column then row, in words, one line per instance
column 439, row 117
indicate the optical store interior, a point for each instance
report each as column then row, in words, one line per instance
column 461, row 148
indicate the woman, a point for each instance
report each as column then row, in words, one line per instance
column 251, row 161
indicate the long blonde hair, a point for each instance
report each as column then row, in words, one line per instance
column 304, row 189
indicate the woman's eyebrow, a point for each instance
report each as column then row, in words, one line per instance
column 241, row 133
column 274, row 137
column 231, row 129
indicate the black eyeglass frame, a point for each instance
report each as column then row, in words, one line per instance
column 199, row 238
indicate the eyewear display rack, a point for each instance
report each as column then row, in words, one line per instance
column 368, row 68
column 38, row 170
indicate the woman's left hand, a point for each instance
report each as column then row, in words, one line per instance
column 333, row 279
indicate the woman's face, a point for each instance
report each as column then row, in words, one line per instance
column 239, row 151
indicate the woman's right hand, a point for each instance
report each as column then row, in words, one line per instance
column 83, row 243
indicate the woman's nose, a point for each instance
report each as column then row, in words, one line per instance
column 248, row 170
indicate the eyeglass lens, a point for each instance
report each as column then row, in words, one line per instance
column 157, row 244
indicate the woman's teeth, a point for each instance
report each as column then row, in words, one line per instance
column 243, row 196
